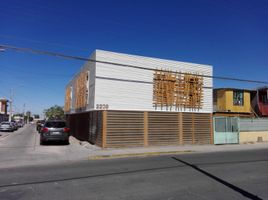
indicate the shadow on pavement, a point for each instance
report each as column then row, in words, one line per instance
column 185, row 164
column 231, row 186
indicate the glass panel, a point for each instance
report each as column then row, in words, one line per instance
column 264, row 99
column 238, row 98
column 55, row 124
column 234, row 125
column 220, row 125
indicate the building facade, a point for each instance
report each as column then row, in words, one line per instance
column 120, row 100
column 260, row 101
column 3, row 109
column 232, row 102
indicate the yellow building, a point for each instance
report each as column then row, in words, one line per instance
column 232, row 102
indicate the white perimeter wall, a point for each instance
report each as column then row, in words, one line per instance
column 129, row 91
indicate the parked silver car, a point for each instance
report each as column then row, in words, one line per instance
column 54, row 130
column 6, row 126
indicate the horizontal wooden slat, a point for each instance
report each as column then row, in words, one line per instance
column 126, row 128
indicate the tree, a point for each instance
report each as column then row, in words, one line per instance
column 36, row 116
column 28, row 116
column 28, row 113
column 54, row 112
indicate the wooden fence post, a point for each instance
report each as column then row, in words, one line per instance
column 193, row 128
column 104, row 128
column 145, row 132
column 180, row 128
column 211, row 129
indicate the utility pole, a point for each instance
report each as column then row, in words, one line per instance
column 23, row 112
column 11, row 102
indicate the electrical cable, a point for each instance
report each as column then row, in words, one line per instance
column 60, row 55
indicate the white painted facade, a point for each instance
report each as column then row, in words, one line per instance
column 128, row 88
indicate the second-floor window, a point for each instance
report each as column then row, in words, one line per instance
column 264, row 99
column 238, row 98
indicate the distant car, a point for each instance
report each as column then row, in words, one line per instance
column 54, row 130
column 15, row 125
column 6, row 126
column 39, row 125
column 20, row 123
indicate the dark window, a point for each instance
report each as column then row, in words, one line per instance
column 55, row 124
column 238, row 98
column 264, row 99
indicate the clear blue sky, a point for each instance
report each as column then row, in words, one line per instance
column 230, row 35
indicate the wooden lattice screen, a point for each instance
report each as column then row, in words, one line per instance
column 81, row 91
column 67, row 105
column 177, row 90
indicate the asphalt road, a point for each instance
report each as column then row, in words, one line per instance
column 229, row 175
column 31, row 171
column 22, row 148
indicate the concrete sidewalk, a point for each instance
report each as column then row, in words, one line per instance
column 99, row 153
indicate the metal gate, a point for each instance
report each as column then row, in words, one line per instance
column 226, row 130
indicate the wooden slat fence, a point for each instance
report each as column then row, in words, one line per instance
column 163, row 128
column 116, row 129
column 124, row 129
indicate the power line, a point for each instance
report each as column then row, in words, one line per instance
column 11, row 37
column 60, row 55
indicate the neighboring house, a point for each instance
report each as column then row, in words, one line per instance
column 253, row 130
column 3, row 109
column 121, row 100
column 232, row 102
column 260, row 101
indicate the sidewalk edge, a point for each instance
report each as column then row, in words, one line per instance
column 145, row 154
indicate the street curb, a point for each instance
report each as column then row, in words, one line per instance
column 131, row 155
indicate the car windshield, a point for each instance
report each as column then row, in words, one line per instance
column 55, row 124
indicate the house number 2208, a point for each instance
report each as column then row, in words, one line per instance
column 102, row 106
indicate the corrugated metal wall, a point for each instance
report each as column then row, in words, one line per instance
column 251, row 124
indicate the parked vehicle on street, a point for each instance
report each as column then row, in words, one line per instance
column 39, row 125
column 54, row 130
column 15, row 125
column 20, row 123
column 7, row 126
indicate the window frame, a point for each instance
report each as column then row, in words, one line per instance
column 236, row 96
column 264, row 99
